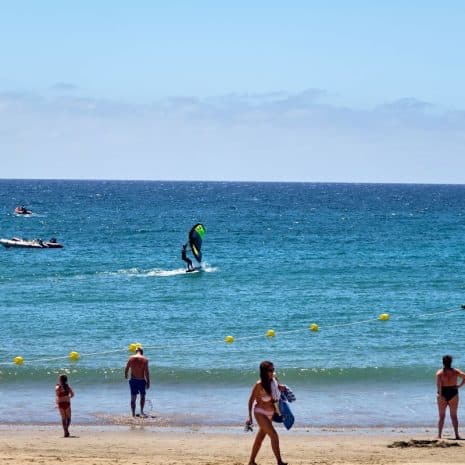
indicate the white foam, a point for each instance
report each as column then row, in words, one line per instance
column 175, row 272
column 208, row 268
column 157, row 272
column 181, row 271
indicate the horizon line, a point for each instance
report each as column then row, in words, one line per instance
column 237, row 181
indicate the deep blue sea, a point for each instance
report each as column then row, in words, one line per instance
column 276, row 256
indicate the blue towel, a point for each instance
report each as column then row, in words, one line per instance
column 288, row 395
column 286, row 417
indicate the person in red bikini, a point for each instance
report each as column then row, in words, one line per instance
column 63, row 395
column 264, row 405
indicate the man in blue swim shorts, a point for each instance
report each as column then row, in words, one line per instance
column 140, row 379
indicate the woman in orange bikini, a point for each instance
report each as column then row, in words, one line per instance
column 263, row 403
column 448, row 394
column 63, row 393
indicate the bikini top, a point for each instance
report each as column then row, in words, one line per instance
column 265, row 397
column 61, row 394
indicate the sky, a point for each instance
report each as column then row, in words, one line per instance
column 314, row 91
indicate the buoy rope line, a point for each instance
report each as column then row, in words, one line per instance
column 75, row 356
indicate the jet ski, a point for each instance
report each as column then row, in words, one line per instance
column 22, row 211
column 31, row 244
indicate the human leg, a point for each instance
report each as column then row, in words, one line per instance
column 133, row 404
column 257, row 444
column 258, row 440
column 64, row 423
column 142, row 403
column 134, row 386
column 64, row 420
column 188, row 262
column 442, row 406
column 266, row 426
column 453, row 407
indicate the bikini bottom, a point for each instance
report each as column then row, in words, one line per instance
column 267, row 413
column 449, row 392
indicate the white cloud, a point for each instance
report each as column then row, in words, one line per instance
column 64, row 87
column 277, row 136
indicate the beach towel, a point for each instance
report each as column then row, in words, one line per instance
column 286, row 417
column 288, row 394
column 275, row 392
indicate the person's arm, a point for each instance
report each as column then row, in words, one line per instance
column 147, row 375
column 127, row 369
column 438, row 382
column 71, row 392
column 251, row 402
column 461, row 374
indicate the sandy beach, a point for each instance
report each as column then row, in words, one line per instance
column 21, row 445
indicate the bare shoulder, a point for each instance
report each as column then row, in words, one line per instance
column 439, row 372
column 138, row 360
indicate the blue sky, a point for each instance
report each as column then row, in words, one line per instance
column 300, row 91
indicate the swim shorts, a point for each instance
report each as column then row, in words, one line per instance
column 137, row 386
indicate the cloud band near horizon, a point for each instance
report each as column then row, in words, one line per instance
column 265, row 137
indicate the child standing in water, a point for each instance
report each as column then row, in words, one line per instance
column 63, row 393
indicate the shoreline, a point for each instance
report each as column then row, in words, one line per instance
column 162, row 424
column 142, row 425
column 109, row 445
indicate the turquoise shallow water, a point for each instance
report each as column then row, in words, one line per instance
column 276, row 255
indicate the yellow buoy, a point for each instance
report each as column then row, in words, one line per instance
column 271, row 333
column 18, row 360
column 229, row 339
column 134, row 346
column 314, row 327
column 74, row 356
column 384, row 316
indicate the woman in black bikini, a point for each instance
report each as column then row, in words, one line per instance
column 448, row 394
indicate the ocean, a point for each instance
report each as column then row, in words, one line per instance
column 277, row 256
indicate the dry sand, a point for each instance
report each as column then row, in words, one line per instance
column 92, row 445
